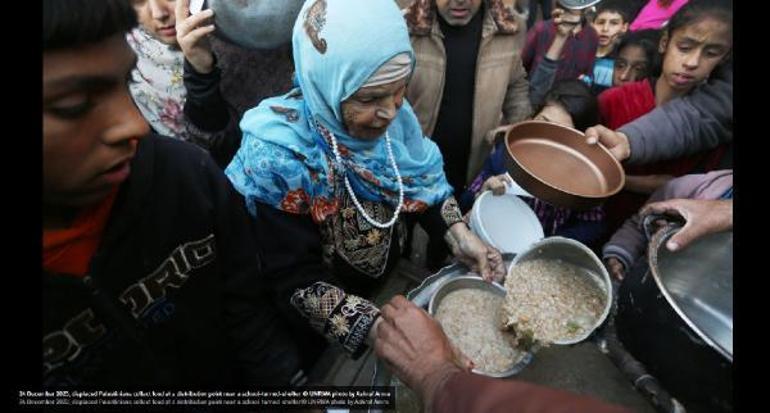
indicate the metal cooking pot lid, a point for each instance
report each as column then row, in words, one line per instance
column 698, row 283
column 578, row 4
column 255, row 24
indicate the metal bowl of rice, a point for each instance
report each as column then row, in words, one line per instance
column 559, row 288
column 469, row 310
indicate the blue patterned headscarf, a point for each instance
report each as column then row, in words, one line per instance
column 286, row 161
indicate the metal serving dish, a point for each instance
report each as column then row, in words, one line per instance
column 575, row 253
column 459, row 283
column 476, row 282
column 554, row 163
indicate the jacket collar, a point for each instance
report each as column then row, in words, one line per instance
column 422, row 19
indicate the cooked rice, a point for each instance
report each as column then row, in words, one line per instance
column 550, row 300
column 472, row 320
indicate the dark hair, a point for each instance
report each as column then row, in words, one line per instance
column 72, row 23
column 614, row 6
column 697, row 10
column 577, row 99
column 648, row 41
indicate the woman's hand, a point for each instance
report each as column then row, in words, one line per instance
column 192, row 35
column 474, row 253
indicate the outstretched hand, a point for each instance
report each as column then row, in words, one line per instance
column 567, row 24
column 615, row 142
column 416, row 349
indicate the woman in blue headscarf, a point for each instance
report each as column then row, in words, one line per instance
column 331, row 170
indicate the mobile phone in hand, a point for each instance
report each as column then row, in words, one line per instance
column 197, row 6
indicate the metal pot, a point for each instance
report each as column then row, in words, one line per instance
column 475, row 282
column 675, row 316
column 255, row 24
column 554, row 163
column 577, row 254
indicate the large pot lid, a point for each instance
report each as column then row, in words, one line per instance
column 254, row 24
column 698, row 283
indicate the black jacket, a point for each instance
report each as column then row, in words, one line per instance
column 174, row 295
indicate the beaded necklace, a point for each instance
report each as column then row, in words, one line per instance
column 352, row 194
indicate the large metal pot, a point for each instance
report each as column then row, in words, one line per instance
column 554, row 163
column 255, row 24
column 675, row 317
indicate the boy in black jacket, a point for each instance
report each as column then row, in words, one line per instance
column 150, row 276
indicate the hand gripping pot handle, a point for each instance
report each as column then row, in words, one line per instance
column 648, row 223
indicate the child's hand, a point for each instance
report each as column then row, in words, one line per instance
column 616, row 268
column 192, row 35
column 497, row 184
column 567, row 24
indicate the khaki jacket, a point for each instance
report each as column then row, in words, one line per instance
column 501, row 91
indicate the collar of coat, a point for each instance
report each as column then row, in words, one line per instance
column 421, row 16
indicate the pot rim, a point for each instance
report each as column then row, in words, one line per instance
column 658, row 241
column 616, row 164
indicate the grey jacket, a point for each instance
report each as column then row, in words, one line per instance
column 694, row 123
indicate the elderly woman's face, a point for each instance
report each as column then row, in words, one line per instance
column 369, row 111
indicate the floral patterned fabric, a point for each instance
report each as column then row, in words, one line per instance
column 285, row 159
column 340, row 317
column 364, row 247
column 157, row 86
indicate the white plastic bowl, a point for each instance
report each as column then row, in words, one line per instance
column 505, row 222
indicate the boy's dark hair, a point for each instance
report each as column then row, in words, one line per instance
column 577, row 99
column 72, row 23
column 648, row 41
column 696, row 10
column 614, row 6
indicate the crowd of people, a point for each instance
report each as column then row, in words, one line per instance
column 213, row 216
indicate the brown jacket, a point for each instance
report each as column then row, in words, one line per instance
column 501, row 92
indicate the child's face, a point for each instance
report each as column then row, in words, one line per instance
column 609, row 25
column 693, row 51
column 630, row 65
column 91, row 126
column 555, row 113
column 158, row 18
